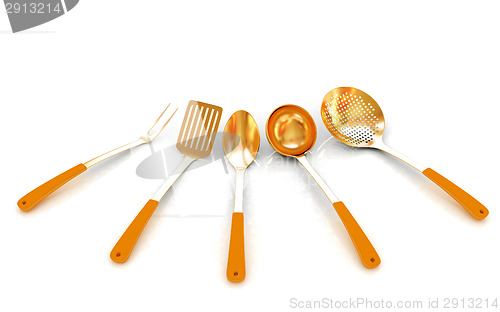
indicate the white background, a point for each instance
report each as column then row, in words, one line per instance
column 97, row 77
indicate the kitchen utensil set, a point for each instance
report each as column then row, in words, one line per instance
column 351, row 116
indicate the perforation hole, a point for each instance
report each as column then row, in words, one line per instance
column 351, row 119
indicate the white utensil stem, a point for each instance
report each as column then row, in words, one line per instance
column 114, row 152
column 172, row 178
column 328, row 192
column 381, row 146
column 238, row 190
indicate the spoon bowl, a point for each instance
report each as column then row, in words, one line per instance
column 241, row 139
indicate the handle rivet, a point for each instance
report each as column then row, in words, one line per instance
column 235, row 274
column 481, row 211
column 24, row 203
column 118, row 254
column 372, row 259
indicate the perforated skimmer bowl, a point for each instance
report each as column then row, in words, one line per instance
column 354, row 118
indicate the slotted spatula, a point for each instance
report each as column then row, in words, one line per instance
column 195, row 141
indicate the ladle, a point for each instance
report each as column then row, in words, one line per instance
column 291, row 132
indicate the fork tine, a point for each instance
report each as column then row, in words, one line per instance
column 164, row 125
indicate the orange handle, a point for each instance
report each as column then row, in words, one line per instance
column 126, row 243
column 366, row 252
column 236, row 257
column 28, row 201
column 475, row 208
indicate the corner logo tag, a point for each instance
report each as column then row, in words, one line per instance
column 25, row 14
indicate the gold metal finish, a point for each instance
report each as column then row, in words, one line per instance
column 196, row 139
column 291, row 131
column 241, row 142
column 148, row 137
column 198, row 129
column 152, row 132
column 354, row 118
column 241, row 139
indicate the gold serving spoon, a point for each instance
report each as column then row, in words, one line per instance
column 291, row 132
column 241, row 142
column 355, row 119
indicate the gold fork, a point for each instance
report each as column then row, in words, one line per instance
column 30, row 200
